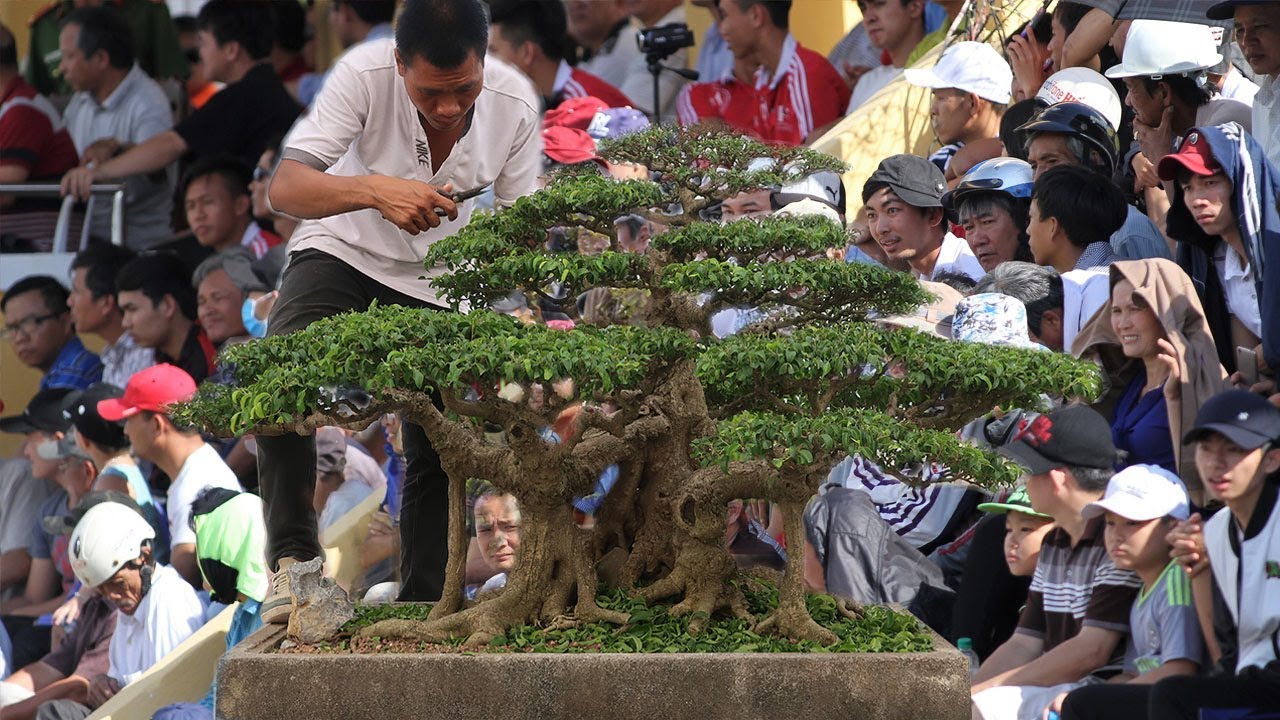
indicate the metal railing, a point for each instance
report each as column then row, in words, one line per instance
column 62, row 229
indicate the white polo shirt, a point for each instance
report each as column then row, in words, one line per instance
column 168, row 614
column 363, row 123
column 955, row 257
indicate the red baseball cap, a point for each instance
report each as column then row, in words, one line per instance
column 154, row 389
column 568, row 145
column 1194, row 154
column 574, row 113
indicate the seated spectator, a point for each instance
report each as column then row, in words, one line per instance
column 531, row 35
column 155, row 609
column 39, row 327
column 1255, row 24
column 796, row 90
column 606, row 35
column 854, row 54
column 970, row 86
column 638, row 82
column 67, row 671
column 179, row 452
column 1058, row 306
column 282, row 226
column 1224, row 218
column 1066, row 16
column 289, row 28
column 991, row 203
column 497, row 524
column 335, row 494
column 21, row 494
column 1078, row 608
column 1074, row 133
column 1141, row 506
column 715, row 59
column 894, row 27
column 235, row 44
column 154, row 37
column 352, row 22
column 1084, row 86
column 231, row 545
column 1154, row 344
column 1028, row 52
column 216, row 200
column 224, row 282
column 1235, row 436
column 94, row 310
column 159, row 311
column 1073, row 215
column 903, row 199
column 748, row 541
column 730, row 100
column 198, row 86
column 116, row 106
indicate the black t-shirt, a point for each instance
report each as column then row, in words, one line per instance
column 242, row 117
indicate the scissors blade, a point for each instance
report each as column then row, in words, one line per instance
column 458, row 197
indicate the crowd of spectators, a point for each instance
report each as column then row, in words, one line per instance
column 1098, row 187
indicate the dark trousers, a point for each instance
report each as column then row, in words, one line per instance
column 30, row 641
column 315, row 286
column 1178, row 698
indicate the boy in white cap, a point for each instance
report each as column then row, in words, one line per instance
column 970, row 87
column 1141, row 505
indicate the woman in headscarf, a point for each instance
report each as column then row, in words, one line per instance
column 1154, row 345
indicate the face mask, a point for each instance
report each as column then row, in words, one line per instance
column 257, row 328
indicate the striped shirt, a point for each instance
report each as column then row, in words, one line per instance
column 1096, row 256
column 1076, row 587
column 75, row 368
column 573, row 82
column 804, row 93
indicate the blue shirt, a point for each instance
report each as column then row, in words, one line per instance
column 1140, row 426
column 75, row 368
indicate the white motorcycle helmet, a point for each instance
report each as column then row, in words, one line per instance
column 107, row 538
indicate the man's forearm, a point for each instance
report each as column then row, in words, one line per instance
column 152, row 155
column 14, row 566
column 74, row 688
column 1067, row 662
column 304, row 192
column 1017, row 651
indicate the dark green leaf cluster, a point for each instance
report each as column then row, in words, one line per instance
column 887, row 441
column 863, row 364
column 748, row 240
column 653, row 630
column 532, row 272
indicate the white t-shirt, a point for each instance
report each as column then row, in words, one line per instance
column 955, row 257
column 1084, row 292
column 1239, row 288
column 363, row 123
column 870, row 83
column 203, row 468
column 168, row 614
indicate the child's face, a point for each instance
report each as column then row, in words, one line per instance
column 1023, row 534
column 1231, row 472
column 1137, row 544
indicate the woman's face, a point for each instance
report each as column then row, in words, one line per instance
column 498, row 530
column 1134, row 323
column 1208, row 197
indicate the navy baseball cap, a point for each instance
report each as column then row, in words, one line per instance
column 42, row 414
column 1074, row 435
column 1227, row 10
column 1244, row 418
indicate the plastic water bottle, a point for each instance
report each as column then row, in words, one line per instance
column 965, row 646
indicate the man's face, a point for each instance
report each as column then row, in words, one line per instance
column 498, row 530
column 589, row 21
column 1040, row 491
column 1147, row 109
column 1040, row 232
column 141, row 429
column 747, row 204
column 80, row 72
column 36, row 331
column 218, row 302
column 1208, row 197
column 123, row 591
column 213, row 57
column 1056, row 42
column 40, row 468
column 442, row 96
column 1257, row 30
column 992, row 235
column 949, row 113
column 89, row 314
column 501, row 47
column 905, row 232
column 215, row 216
column 738, row 29
column 1048, row 150
column 1232, row 473
column 147, row 322
column 889, row 21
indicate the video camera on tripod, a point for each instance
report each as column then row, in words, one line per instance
column 658, row 44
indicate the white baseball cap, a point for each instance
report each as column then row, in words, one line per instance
column 1142, row 492
column 973, row 67
column 1082, row 85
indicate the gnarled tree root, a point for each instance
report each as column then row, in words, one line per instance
column 791, row 618
column 702, row 577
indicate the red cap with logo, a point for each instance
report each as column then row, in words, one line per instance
column 154, row 389
column 568, row 145
column 1194, row 154
column 574, row 113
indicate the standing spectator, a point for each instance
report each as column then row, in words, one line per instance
column 1075, row 133
column 894, row 27
column 155, row 609
column 991, row 203
column 224, row 282
column 1073, row 213
column 797, row 90
column 180, row 452
column 352, row 22
column 38, row 324
column 93, row 307
column 604, row 31
column 1257, row 31
column 216, row 200
column 116, row 106
column 903, row 200
column 159, row 310
column 155, row 42
column 235, row 44
column 1077, row 612
column 970, row 86
column 638, row 83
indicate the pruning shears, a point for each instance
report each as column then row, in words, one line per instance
column 458, row 197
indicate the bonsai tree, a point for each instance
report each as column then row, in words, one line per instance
column 693, row 422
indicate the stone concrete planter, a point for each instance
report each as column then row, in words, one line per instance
column 256, row 683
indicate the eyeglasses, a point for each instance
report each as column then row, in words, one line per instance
column 27, row 326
